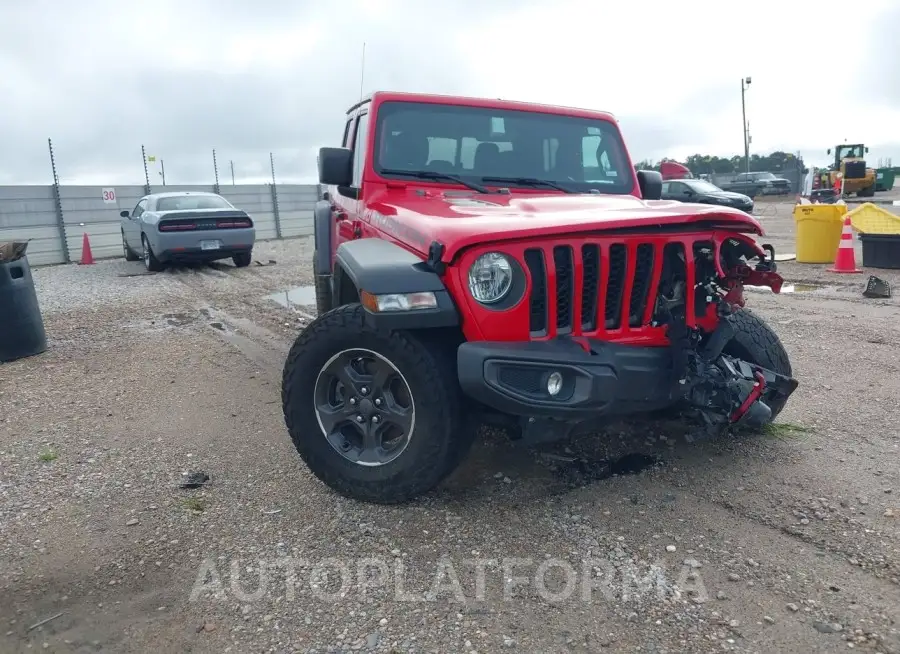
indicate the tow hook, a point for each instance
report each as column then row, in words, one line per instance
column 768, row 265
column 752, row 397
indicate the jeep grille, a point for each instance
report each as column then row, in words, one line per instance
column 609, row 285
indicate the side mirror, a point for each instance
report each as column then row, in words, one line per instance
column 335, row 166
column 650, row 183
column 828, row 151
column 125, row 213
column 867, row 150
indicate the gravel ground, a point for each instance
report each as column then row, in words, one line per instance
column 783, row 542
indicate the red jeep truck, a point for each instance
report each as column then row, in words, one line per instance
column 486, row 260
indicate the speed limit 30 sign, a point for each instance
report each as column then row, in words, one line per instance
column 109, row 196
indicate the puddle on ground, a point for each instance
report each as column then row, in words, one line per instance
column 178, row 319
column 789, row 288
column 297, row 296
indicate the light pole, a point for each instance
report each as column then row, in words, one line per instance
column 745, row 83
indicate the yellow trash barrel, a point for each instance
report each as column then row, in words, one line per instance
column 819, row 229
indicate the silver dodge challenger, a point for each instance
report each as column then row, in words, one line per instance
column 186, row 227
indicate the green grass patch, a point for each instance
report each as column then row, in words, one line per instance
column 47, row 455
column 197, row 504
column 785, row 430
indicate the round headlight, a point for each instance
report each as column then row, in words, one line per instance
column 490, row 278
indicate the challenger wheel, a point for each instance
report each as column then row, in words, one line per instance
column 375, row 415
column 242, row 259
column 129, row 254
column 150, row 261
column 755, row 342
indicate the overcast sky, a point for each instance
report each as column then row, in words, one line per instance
column 183, row 77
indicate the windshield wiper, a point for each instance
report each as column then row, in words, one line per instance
column 433, row 175
column 530, row 181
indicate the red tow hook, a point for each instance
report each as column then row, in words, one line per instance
column 754, row 395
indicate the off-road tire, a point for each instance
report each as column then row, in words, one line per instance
column 150, row 261
column 442, row 434
column 129, row 253
column 324, row 301
column 755, row 342
column 242, row 259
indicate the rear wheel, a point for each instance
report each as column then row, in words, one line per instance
column 129, row 253
column 242, row 259
column 150, row 261
column 375, row 415
column 755, row 342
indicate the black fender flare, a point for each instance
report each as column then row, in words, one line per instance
column 322, row 231
column 381, row 267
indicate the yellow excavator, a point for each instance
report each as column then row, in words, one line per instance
column 850, row 163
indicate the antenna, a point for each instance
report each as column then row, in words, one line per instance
column 362, row 71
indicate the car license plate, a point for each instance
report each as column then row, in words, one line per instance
column 209, row 245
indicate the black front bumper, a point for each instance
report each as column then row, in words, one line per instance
column 611, row 379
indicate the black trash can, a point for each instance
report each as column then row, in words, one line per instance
column 21, row 325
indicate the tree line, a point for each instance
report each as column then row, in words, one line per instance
column 705, row 164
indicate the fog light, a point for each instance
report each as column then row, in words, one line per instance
column 554, row 383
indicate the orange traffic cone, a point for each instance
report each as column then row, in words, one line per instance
column 845, row 259
column 87, row 257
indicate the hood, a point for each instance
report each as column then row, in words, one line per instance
column 459, row 218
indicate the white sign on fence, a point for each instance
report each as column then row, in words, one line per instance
column 109, row 196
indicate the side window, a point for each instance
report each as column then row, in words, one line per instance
column 665, row 188
column 346, row 140
column 359, row 149
column 139, row 209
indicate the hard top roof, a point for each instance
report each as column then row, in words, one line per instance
column 491, row 103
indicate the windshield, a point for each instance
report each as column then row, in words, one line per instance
column 190, row 202
column 702, row 186
column 474, row 143
column 850, row 151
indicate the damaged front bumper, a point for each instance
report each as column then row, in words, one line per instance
column 567, row 381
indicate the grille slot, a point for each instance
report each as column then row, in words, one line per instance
column 534, row 260
column 565, row 287
column 590, row 286
column 615, row 287
column 643, row 272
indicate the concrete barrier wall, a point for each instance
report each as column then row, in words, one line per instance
column 54, row 231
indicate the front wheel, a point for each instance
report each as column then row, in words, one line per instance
column 375, row 415
column 755, row 342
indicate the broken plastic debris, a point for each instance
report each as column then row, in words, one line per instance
column 877, row 288
column 194, row 479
